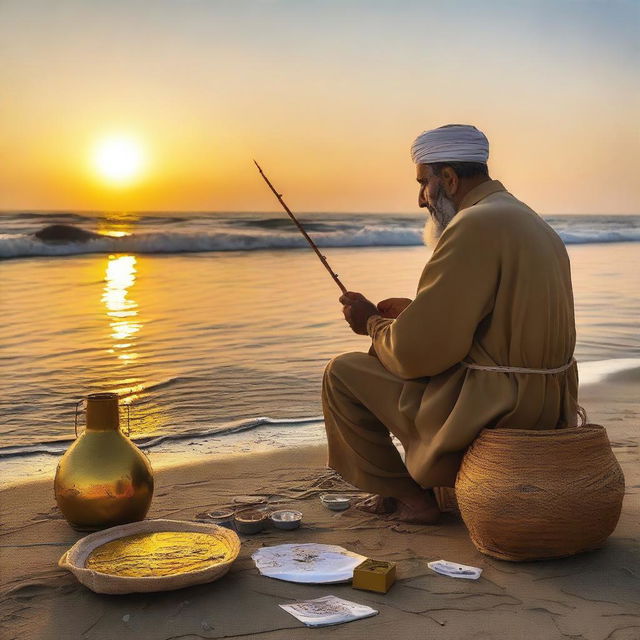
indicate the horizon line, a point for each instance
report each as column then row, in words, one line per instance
column 259, row 212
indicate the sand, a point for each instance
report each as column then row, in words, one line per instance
column 595, row 596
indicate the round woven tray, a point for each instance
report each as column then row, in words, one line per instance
column 75, row 558
column 533, row 495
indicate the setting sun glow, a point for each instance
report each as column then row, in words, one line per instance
column 118, row 160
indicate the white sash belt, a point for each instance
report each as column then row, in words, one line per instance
column 497, row 369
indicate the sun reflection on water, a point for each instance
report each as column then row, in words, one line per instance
column 122, row 311
column 125, row 325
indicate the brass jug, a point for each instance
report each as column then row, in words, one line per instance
column 103, row 479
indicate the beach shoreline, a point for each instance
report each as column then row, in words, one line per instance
column 268, row 435
column 592, row 596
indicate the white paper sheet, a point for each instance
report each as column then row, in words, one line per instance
column 455, row 570
column 322, row 612
column 310, row 563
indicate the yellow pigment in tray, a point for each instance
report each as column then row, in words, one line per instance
column 163, row 553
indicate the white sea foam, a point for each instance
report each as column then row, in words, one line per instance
column 599, row 236
column 15, row 246
column 57, row 447
column 37, row 462
column 597, row 371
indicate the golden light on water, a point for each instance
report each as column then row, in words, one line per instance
column 119, row 159
column 122, row 310
column 125, row 324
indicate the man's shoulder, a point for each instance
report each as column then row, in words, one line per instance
column 497, row 206
column 506, row 220
column 500, row 210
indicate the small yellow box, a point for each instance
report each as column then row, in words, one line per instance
column 374, row 575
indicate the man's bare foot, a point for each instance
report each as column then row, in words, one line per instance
column 422, row 509
column 377, row 504
column 419, row 509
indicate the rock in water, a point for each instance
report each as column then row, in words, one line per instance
column 65, row 233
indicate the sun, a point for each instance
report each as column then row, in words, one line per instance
column 118, row 159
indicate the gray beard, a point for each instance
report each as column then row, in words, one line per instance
column 440, row 215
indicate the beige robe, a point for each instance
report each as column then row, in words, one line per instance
column 496, row 291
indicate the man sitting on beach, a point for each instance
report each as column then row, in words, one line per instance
column 495, row 293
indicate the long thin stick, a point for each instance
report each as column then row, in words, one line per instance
column 302, row 231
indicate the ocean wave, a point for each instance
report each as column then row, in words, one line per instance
column 58, row 447
column 23, row 245
column 599, row 236
column 253, row 239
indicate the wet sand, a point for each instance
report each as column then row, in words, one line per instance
column 595, row 596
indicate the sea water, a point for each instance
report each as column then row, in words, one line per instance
column 216, row 327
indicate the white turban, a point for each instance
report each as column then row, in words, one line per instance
column 451, row 143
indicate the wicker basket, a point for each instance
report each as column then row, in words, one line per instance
column 74, row 559
column 533, row 495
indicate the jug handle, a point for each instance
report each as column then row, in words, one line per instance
column 128, row 420
column 75, row 424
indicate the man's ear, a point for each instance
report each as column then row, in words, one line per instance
column 450, row 181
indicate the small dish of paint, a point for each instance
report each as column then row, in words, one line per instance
column 335, row 501
column 250, row 520
column 286, row 519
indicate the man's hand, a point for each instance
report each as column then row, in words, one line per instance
column 357, row 310
column 393, row 307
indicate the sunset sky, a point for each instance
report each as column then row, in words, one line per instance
column 326, row 95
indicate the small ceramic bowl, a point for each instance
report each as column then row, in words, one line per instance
column 286, row 519
column 250, row 520
column 335, row 501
